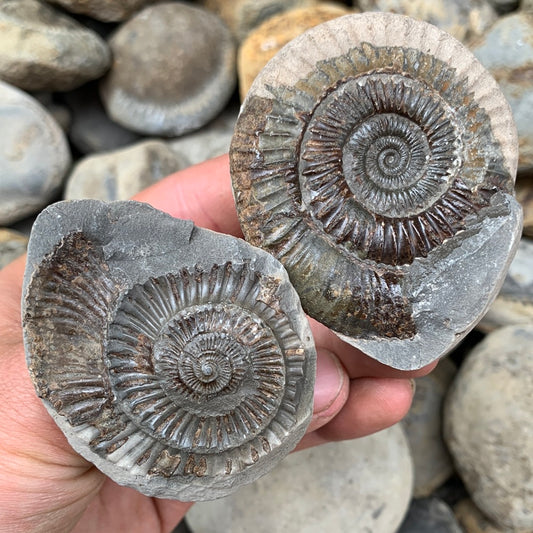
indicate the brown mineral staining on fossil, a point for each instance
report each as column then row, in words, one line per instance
column 182, row 365
column 375, row 157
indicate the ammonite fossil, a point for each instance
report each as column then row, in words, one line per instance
column 375, row 157
column 177, row 360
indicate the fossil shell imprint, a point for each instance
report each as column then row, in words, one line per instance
column 177, row 360
column 375, row 157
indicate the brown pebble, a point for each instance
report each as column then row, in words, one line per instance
column 263, row 43
column 242, row 16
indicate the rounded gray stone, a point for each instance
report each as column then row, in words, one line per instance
column 464, row 19
column 430, row 515
column 210, row 141
column 58, row 53
column 91, row 129
column 488, row 422
column 506, row 50
column 359, row 485
column 473, row 520
column 120, row 174
column 173, row 70
column 105, row 10
column 423, row 427
column 34, row 155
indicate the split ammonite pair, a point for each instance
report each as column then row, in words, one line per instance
column 374, row 157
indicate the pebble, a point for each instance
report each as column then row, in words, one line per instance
column 524, row 194
column 59, row 112
column 105, row 10
column 514, row 303
column 488, row 425
column 91, row 129
column 504, row 6
column 423, row 423
column 359, row 485
column 120, row 174
column 430, row 515
column 464, row 19
column 506, row 50
column 12, row 245
column 263, row 42
column 474, row 521
column 173, row 70
column 58, row 54
column 211, row 141
column 34, row 155
column 242, row 16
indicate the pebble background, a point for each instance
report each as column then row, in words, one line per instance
column 99, row 99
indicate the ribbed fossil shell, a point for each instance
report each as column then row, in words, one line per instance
column 375, row 157
column 177, row 360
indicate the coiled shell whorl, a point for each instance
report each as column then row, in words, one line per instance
column 177, row 360
column 375, row 158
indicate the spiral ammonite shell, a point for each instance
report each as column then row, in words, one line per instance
column 181, row 365
column 375, row 157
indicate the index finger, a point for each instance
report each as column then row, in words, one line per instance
column 201, row 193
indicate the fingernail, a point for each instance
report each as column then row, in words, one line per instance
column 329, row 380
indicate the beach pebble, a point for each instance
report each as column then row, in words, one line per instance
column 242, row 16
column 43, row 49
column 464, row 19
column 474, row 521
column 524, row 194
column 91, row 129
column 120, row 174
column 504, row 6
column 263, row 42
column 430, row 515
column 173, row 70
column 210, row 141
column 106, row 10
column 514, row 303
column 423, row 423
column 12, row 245
column 34, row 155
column 488, row 425
column 506, row 50
column 359, row 485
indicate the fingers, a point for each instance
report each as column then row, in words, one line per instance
column 201, row 193
column 373, row 404
column 332, row 387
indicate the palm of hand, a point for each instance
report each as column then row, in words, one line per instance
column 46, row 486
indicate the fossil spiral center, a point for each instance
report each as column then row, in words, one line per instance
column 211, row 362
column 207, row 365
column 384, row 153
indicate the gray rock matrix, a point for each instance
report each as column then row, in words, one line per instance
column 175, row 359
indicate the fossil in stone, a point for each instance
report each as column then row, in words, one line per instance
column 375, row 157
column 177, row 360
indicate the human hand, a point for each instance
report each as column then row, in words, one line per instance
column 47, row 487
